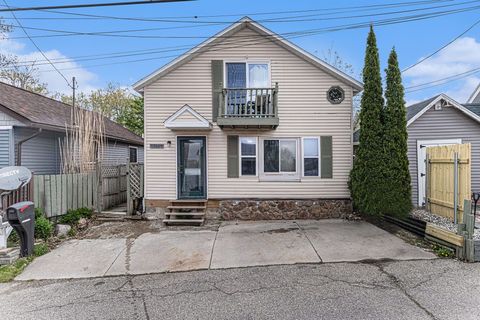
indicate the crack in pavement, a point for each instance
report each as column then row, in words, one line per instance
column 397, row 282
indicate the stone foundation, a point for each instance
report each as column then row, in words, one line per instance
column 283, row 209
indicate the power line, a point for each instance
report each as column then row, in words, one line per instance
column 443, row 47
column 292, row 34
column 36, row 46
column 196, row 17
column 394, row 20
column 88, row 5
column 442, row 81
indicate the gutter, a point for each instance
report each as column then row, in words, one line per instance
column 19, row 145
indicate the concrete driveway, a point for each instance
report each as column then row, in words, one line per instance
column 235, row 244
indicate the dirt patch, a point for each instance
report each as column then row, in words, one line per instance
column 134, row 228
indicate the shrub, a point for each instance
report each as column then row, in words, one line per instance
column 72, row 216
column 39, row 213
column 43, row 228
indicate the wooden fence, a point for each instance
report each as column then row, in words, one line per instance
column 56, row 194
column 448, row 180
column 114, row 186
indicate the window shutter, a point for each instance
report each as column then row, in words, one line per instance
column 326, row 158
column 232, row 157
column 217, row 86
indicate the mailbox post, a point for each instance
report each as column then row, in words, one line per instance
column 21, row 217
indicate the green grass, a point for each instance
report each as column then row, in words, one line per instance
column 442, row 251
column 10, row 271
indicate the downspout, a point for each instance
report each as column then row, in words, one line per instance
column 19, row 146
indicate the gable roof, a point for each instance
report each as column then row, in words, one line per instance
column 416, row 110
column 247, row 22
column 475, row 96
column 187, row 118
column 422, row 107
column 39, row 111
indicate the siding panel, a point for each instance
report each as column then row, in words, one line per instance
column 303, row 111
column 6, row 148
column 449, row 123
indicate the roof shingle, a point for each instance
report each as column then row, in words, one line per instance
column 44, row 111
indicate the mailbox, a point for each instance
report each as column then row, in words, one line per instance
column 21, row 217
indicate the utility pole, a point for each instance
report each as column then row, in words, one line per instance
column 74, row 85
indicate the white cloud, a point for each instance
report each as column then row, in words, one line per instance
column 86, row 80
column 461, row 56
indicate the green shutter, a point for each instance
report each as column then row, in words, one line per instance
column 217, row 86
column 326, row 158
column 232, row 157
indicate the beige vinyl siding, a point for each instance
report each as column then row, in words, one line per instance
column 449, row 123
column 303, row 111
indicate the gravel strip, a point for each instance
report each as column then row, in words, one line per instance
column 439, row 221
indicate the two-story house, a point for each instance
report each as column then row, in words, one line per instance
column 250, row 126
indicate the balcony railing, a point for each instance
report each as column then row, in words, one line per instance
column 248, row 107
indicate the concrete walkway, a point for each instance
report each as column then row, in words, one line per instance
column 234, row 245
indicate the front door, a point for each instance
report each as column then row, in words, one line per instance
column 421, row 158
column 191, row 168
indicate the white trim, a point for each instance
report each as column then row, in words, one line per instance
column 474, row 94
column 240, row 156
column 280, row 176
column 6, row 127
column 202, row 122
column 451, row 101
column 244, row 22
column 310, row 157
column 247, row 62
column 420, row 168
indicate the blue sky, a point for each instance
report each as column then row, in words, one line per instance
column 413, row 40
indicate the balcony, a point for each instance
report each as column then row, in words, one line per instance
column 248, row 108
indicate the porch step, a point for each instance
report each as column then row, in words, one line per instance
column 185, row 207
column 183, row 221
column 185, row 213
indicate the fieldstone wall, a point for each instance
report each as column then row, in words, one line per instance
column 283, row 209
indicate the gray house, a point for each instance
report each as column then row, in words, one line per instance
column 32, row 128
column 440, row 120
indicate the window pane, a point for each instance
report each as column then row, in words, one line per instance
column 310, row 166
column 249, row 166
column 288, row 154
column 258, row 75
column 133, row 155
column 310, row 147
column 270, row 156
column 249, row 146
column 236, row 75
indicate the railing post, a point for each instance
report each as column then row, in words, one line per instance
column 275, row 101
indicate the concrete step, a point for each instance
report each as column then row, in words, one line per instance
column 183, row 221
column 186, row 207
column 185, row 213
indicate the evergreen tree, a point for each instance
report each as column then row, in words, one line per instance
column 398, row 195
column 367, row 183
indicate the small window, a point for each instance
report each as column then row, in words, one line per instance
column 311, row 157
column 248, row 156
column 133, row 154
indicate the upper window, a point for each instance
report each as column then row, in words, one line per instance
column 248, row 156
column 247, row 75
column 133, row 154
column 311, row 157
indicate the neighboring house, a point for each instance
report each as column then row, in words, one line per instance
column 440, row 120
column 36, row 125
column 247, row 115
